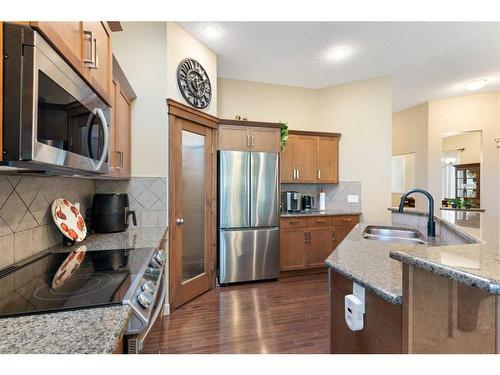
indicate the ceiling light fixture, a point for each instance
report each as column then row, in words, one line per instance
column 340, row 53
column 210, row 31
column 475, row 85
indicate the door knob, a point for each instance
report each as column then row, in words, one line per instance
column 179, row 221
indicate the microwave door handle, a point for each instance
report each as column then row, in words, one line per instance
column 104, row 124
column 90, row 121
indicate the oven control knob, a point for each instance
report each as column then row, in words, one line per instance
column 161, row 256
column 145, row 299
column 149, row 287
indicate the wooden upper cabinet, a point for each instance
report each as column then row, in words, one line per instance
column 122, row 95
column 123, row 135
column 304, row 159
column 287, row 170
column 98, row 58
column 238, row 136
column 233, row 137
column 310, row 158
column 87, row 47
column 265, row 139
column 328, row 160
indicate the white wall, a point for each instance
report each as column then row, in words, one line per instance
column 470, row 142
column 361, row 111
column 409, row 135
column 141, row 51
column 182, row 45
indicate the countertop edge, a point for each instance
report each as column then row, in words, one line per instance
column 391, row 298
column 318, row 213
column 492, row 286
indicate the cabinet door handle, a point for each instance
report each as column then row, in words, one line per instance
column 333, row 235
column 298, row 174
column 96, row 55
column 248, row 141
column 305, row 237
column 320, row 220
column 346, row 220
column 294, row 174
column 120, row 164
column 319, row 174
column 89, row 37
column 251, row 141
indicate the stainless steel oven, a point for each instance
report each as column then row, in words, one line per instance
column 52, row 120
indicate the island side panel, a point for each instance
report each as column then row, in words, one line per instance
column 443, row 316
column 382, row 325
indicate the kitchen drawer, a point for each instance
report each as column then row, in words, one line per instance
column 347, row 220
column 319, row 221
column 293, row 222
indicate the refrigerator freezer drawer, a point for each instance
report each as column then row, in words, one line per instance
column 250, row 254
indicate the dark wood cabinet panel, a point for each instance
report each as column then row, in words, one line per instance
column 382, row 331
column 287, row 170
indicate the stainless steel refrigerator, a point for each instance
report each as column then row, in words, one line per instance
column 248, row 216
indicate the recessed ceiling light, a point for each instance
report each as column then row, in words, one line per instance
column 210, row 31
column 340, row 53
column 475, row 85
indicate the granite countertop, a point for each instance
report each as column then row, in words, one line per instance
column 87, row 331
column 367, row 263
column 317, row 213
column 475, row 264
column 94, row 330
column 376, row 265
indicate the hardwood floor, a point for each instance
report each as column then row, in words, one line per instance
column 285, row 316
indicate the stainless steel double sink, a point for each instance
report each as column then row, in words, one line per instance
column 394, row 234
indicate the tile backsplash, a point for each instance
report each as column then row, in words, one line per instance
column 336, row 194
column 26, row 226
column 147, row 196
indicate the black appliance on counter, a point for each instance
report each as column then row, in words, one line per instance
column 291, row 201
column 307, row 202
column 110, row 213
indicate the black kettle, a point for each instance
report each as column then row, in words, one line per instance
column 110, row 213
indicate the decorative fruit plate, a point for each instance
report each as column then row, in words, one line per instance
column 69, row 266
column 69, row 220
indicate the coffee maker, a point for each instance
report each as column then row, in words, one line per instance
column 291, row 201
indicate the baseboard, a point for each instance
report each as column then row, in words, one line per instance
column 166, row 309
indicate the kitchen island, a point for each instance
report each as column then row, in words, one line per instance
column 84, row 331
column 449, row 284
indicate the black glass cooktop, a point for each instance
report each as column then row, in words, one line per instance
column 70, row 280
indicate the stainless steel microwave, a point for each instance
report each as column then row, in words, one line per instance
column 52, row 120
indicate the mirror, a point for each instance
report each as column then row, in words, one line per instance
column 461, row 166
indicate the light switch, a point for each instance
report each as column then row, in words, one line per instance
column 353, row 198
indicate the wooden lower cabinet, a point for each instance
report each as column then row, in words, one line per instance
column 292, row 249
column 320, row 246
column 382, row 331
column 305, row 242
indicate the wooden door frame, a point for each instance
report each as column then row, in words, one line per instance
column 176, row 112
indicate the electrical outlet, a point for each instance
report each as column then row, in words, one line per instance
column 353, row 198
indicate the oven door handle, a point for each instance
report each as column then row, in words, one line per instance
column 159, row 307
column 104, row 124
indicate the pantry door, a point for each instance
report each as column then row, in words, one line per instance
column 192, row 220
